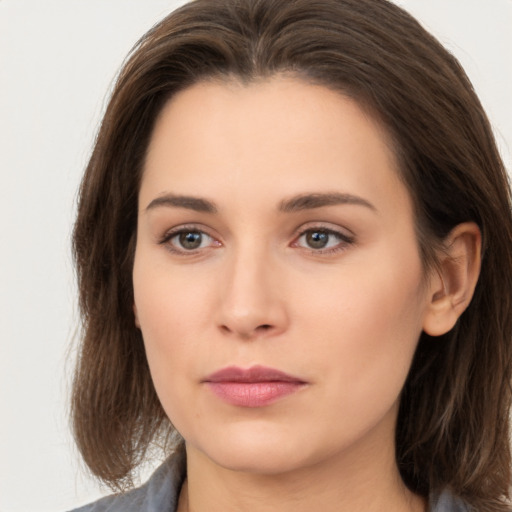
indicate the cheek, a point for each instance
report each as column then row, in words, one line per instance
column 369, row 326
column 170, row 304
column 171, row 311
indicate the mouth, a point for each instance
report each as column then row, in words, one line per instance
column 257, row 386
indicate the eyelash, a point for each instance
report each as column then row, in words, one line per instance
column 184, row 230
column 344, row 240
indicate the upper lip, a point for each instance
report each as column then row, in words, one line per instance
column 251, row 375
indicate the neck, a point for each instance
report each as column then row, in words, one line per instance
column 340, row 484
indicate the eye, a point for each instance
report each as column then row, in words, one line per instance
column 323, row 240
column 188, row 240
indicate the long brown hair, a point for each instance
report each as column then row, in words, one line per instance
column 453, row 423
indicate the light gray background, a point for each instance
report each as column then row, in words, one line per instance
column 57, row 61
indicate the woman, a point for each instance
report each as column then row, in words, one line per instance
column 293, row 257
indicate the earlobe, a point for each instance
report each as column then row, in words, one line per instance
column 453, row 283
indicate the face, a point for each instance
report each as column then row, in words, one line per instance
column 277, row 277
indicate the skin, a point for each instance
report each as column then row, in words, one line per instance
column 345, row 319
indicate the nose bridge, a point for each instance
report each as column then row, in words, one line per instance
column 251, row 302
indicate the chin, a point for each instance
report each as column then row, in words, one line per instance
column 256, row 461
column 257, row 451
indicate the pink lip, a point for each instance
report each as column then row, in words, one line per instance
column 253, row 387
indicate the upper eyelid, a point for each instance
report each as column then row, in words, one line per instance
column 324, row 226
column 332, row 232
column 180, row 228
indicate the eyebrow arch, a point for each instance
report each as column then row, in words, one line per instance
column 310, row 201
column 190, row 203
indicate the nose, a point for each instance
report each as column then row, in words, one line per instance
column 252, row 298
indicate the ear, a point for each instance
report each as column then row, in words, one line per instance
column 452, row 284
column 137, row 323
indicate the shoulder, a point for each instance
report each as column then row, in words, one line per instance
column 447, row 502
column 158, row 494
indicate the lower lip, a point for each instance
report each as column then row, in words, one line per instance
column 253, row 394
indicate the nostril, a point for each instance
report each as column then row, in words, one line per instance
column 247, row 334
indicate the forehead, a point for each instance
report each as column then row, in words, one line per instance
column 235, row 140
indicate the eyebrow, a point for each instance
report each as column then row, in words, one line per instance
column 190, row 203
column 294, row 204
column 311, row 201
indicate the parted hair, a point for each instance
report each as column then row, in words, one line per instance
column 453, row 422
